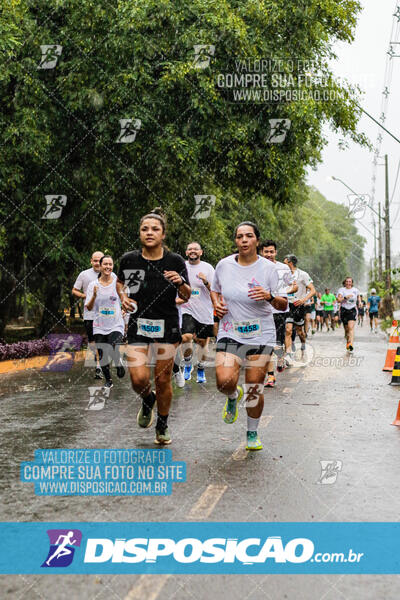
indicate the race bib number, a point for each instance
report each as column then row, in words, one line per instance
column 153, row 328
column 195, row 293
column 351, row 300
column 107, row 312
column 246, row 329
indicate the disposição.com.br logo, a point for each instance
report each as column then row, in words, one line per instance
column 63, row 543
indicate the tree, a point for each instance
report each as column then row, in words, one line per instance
column 137, row 61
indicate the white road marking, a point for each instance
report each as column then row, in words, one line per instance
column 207, row 501
column 148, row 586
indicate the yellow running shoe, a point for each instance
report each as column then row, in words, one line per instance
column 253, row 441
column 231, row 408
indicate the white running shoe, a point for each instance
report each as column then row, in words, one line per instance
column 179, row 379
column 289, row 360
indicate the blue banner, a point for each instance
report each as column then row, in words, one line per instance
column 200, row 548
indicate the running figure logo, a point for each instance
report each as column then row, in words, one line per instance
column 50, row 56
column 358, row 204
column 278, row 130
column 62, row 547
column 129, row 129
column 204, row 203
column 98, row 397
column 54, row 208
column 133, row 279
column 62, row 351
column 252, row 392
column 329, row 471
column 202, row 55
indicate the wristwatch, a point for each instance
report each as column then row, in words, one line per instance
column 272, row 297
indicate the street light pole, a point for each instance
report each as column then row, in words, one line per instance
column 375, row 255
column 387, row 226
column 380, row 245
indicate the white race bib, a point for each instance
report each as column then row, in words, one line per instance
column 153, row 328
column 247, row 329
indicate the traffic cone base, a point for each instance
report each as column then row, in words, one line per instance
column 397, row 419
column 389, row 362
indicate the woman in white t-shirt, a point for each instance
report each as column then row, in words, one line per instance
column 108, row 325
column 242, row 292
column 349, row 299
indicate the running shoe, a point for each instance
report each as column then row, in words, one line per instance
column 162, row 437
column 145, row 416
column 270, row 381
column 108, row 385
column 188, row 372
column 349, row 348
column 313, row 331
column 179, row 379
column 120, row 371
column 231, row 408
column 201, row 376
column 289, row 360
column 98, row 374
column 280, row 365
column 253, row 441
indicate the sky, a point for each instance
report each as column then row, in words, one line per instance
column 364, row 62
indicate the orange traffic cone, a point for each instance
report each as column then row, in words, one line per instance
column 397, row 419
column 396, row 369
column 394, row 341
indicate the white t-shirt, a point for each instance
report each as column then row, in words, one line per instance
column 285, row 280
column 199, row 305
column 247, row 321
column 318, row 304
column 302, row 279
column 81, row 284
column 106, row 309
column 352, row 302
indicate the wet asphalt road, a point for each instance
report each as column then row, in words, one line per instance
column 324, row 411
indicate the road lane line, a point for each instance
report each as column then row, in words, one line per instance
column 240, row 452
column 265, row 421
column 148, row 586
column 207, row 501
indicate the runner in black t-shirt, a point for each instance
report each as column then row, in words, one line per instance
column 153, row 276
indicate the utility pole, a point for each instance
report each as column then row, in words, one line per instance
column 387, row 227
column 380, row 244
column 375, row 260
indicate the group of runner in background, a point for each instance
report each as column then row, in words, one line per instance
column 164, row 307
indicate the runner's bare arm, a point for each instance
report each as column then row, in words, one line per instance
column 311, row 292
column 89, row 305
column 77, row 293
column 184, row 290
column 219, row 304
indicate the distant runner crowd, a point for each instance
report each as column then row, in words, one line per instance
column 160, row 305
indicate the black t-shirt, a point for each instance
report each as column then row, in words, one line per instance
column 147, row 285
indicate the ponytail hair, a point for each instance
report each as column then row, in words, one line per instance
column 156, row 213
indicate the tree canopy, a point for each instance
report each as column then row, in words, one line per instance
column 121, row 60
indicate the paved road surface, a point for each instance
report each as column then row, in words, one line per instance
column 325, row 411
